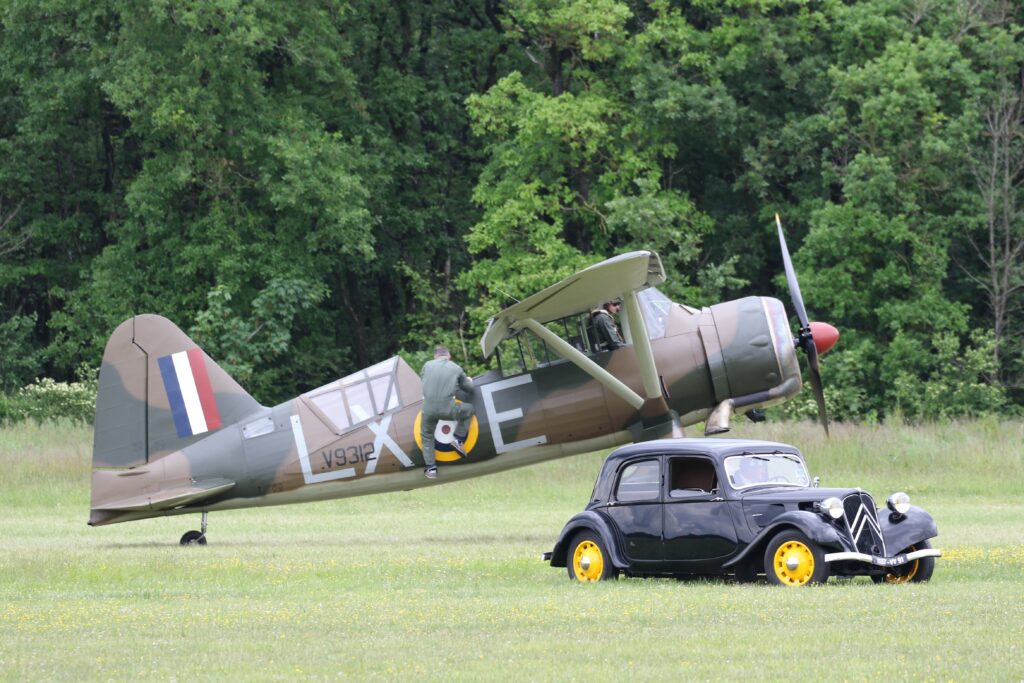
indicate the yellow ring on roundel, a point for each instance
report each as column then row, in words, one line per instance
column 452, row 455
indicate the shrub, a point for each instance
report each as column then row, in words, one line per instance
column 46, row 400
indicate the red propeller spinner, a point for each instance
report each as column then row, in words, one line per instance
column 825, row 336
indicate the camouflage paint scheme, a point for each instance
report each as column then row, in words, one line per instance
column 738, row 354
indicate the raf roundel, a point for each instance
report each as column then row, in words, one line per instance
column 443, row 435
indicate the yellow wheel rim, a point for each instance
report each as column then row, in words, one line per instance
column 794, row 563
column 909, row 576
column 588, row 562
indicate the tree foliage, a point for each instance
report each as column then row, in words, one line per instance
column 310, row 187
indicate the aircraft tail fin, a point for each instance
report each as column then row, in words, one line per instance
column 159, row 392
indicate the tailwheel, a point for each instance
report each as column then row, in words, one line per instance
column 915, row 571
column 195, row 537
column 792, row 559
column 589, row 560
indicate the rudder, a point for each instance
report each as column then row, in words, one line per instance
column 159, row 392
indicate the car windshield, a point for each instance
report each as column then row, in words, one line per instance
column 774, row 469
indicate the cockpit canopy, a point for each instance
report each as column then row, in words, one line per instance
column 363, row 395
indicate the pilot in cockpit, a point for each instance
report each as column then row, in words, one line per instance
column 602, row 321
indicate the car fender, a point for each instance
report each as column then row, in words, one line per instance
column 594, row 521
column 810, row 524
column 903, row 531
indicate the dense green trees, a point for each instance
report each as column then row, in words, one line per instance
column 309, row 187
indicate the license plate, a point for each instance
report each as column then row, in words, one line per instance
column 891, row 561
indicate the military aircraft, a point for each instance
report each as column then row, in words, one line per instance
column 175, row 434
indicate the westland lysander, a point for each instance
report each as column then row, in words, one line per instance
column 175, row 434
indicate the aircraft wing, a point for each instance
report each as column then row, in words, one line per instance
column 578, row 293
column 174, row 497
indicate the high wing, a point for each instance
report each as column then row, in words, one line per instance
column 578, row 293
column 620, row 276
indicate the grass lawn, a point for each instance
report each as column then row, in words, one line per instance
column 446, row 583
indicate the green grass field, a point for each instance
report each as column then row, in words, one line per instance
column 446, row 583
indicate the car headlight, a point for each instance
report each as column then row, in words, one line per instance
column 899, row 502
column 833, row 507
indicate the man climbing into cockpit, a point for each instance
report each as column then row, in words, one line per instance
column 441, row 379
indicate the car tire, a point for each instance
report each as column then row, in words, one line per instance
column 588, row 558
column 792, row 559
column 918, row 571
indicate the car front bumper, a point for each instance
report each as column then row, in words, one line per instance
column 877, row 560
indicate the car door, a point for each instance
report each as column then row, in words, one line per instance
column 698, row 526
column 635, row 507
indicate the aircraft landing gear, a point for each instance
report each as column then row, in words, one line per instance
column 195, row 537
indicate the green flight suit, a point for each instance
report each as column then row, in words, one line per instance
column 441, row 378
column 606, row 332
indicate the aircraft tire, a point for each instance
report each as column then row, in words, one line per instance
column 193, row 538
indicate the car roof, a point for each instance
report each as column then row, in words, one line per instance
column 714, row 447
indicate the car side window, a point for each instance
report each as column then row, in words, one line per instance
column 639, row 481
column 691, row 477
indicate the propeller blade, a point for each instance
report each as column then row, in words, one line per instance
column 805, row 340
column 816, row 386
column 794, row 286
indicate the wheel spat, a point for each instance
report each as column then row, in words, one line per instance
column 805, row 339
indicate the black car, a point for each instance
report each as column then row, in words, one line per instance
column 725, row 506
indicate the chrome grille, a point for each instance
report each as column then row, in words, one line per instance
column 862, row 523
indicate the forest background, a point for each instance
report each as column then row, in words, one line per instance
column 307, row 188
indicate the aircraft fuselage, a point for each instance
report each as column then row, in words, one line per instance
column 316, row 447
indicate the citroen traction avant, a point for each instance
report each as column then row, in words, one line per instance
column 705, row 507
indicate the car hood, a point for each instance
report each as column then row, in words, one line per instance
column 792, row 494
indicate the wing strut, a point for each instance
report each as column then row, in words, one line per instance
column 567, row 351
column 642, row 346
